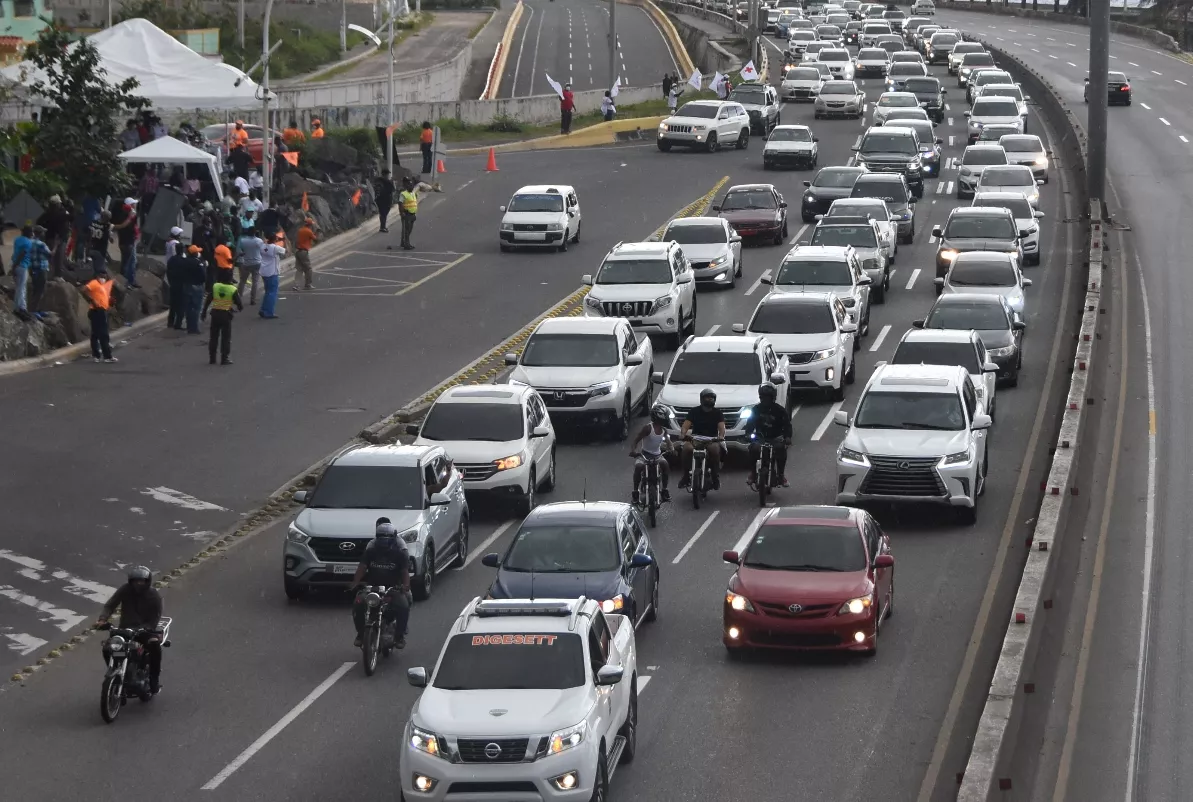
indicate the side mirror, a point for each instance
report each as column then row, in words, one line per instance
column 1019, row 325
column 1087, row 80
column 981, row 421
column 849, row 328
column 511, row 359
column 1027, row 98
column 641, row 561
column 540, row 431
column 815, row 139
column 778, row 378
column 939, row 282
column 807, row 183
column 783, row 204
column 417, row 677
column 819, row 217
column 412, row 429
column 735, row 237
column 1024, row 233
column 937, row 232
column 884, row 561
column 731, row 557
column 767, row 280
column 684, row 278
column 1026, row 282
column 656, row 377
column 571, row 213
column 501, row 208
column 841, row 417
column 990, row 367
column 440, row 500
column 300, row 497
column 716, row 207
column 491, row 560
column 609, row 675
column 967, row 113
column 917, row 324
column 633, row 360
column 939, row 141
column 865, row 280
column 739, row 328
column 944, row 91
column 1038, row 214
column 586, row 280
column 1039, row 182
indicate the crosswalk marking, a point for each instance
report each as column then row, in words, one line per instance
column 38, row 571
column 914, row 275
column 169, row 495
column 949, row 190
column 881, row 336
column 828, row 419
column 23, row 643
column 60, row 617
column 940, row 187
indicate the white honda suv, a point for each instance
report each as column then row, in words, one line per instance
column 650, row 284
column 918, row 436
column 706, row 124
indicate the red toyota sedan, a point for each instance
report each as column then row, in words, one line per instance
column 756, row 211
column 812, row 577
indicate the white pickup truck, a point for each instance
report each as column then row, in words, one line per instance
column 530, row 701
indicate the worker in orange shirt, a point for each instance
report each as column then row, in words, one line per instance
column 99, row 297
column 302, row 254
column 316, row 129
column 426, row 143
column 238, row 137
column 292, row 135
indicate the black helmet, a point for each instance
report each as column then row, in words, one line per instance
column 767, row 392
column 140, row 576
column 386, row 532
column 659, row 414
column 707, row 393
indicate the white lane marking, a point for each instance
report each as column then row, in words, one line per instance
column 828, row 419
column 1051, row 56
column 61, row 617
column 950, row 122
column 939, row 187
column 1031, row 34
column 999, row 38
column 273, row 731
column 1012, row 30
column 748, row 535
column 692, row 540
column 1050, row 38
column 1132, row 63
column 800, row 233
column 911, row 281
column 893, row 272
column 950, row 188
column 1165, row 121
column 1154, row 72
column 1179, row 81
column 951, row 139
column 1182, row 137
column 34, row 569
column 1071, row 64
column 1149, row 108
column 1115, row 58
column 713, row 330
column 795, row 411
column 757, row 283
column 881, row 336
column 521, row 49
column 642, row 681
column 1070, row 44
column 1035, row 50
column 168, row 495
column 1016, row 44
column 498, row 532
column 947, row 107
column 23, row 643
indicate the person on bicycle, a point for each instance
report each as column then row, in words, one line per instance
column 704, row 421
column 140, row 610
column 654, row 440
column 386, row 561
column 768, row 421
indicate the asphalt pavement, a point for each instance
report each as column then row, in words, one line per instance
column 1132, row 731
column 568, row 40
column 268, row 698
column 440, row 41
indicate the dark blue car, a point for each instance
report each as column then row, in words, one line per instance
column 599, row 550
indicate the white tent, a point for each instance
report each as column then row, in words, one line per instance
column 168, row 150
column 170, row 74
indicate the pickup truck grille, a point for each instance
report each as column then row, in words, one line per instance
column 558, row 399
column 679, row 129
column 477, row 471
column 530, row 226
column 329, row 550
column 627, row 308
column 472, row 750
column 903, row 476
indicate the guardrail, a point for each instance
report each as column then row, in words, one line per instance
column 497, row 66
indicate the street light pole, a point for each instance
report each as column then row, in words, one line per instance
column 389, row 140
column 343, row 25
column 1099, row 67
column 240, row 25
column 613, row 74
column 109, row 13
column 267, row 143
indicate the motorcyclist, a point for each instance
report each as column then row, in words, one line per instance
column 768, row 420
column 140, row 610
column 705, row 421
column 654, row 440
column 386, row 561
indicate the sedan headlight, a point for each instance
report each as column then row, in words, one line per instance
column 592, row 303
column 948, row 253
column 737, row 602
column 508, row 463
column 1042, row 161
column 662, row 302
column 604, row 388
column 614, row 604
column 569, row 738
column 957, row 459
column 507, row 226
column 296, row 535
column 424, row 741
column 1000, row 352
column 855, row 606
column 720, row 260
column 853, row 457
column 824, row 354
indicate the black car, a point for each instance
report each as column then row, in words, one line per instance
column 929, row 93
column 600, row 550
column 992, row 318
column 852, row 31
column 891, row 188
column 886, row 149
column 830, row 184
column 1118, row 89
column 929, row 143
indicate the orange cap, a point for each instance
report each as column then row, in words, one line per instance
column 194, row 249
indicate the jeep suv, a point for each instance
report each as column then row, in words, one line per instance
column 705, row 124
column 650, row 284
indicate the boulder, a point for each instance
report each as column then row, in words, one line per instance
column 55, row 334
column 20, row 339
column 69, row 308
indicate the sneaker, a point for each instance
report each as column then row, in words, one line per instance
column 111, row 359
column 665, row 495
column 716, row 483
column 225, row 361
column 358, row 642
column 686, row 481
column 96, row 359
column 400, row 643
column 783, row 482
column 636, row 497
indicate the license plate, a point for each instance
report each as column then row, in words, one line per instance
column 534, row 235
column 343, row 569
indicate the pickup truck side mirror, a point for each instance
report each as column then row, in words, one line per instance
column 981, row 421
column 586, row 280
column 841, row 417
column 511, row 359
column 609, row 675
column 1024, row 233
column 939, row 141
column 848, row 328
column 967, row 113
column 491, row 560
column 412, row 429
column 783, row 204
column 633, row 360
column 815, row 139
column 864, row 280
column 417, row 677
column 944, row 91
column 300, row 497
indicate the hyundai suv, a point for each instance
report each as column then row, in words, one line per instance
column 970, row 228
column 648, row 283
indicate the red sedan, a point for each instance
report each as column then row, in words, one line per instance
column 755, row 211
column 812, row 577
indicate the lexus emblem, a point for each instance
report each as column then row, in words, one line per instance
column 903, row 466
column 492, row 751
column 796, row 608
column 498, row 712
column 347, row 545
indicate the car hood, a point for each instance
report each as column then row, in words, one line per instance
column 885, row 157
column 629, row 292
column 728, row 395
column 704, row 121
column 525, row 585
column 905, row 443
column 705, row 252
column 527, row 711
column 873, row 62
column 533, row 218
column 750, row 216
column 353, row 523
column 802, row 587
column 976, row 121
column 828, row 193
column 475, row 451
column 797, row 343
column 996, row 245
column 976, row 169
column 927, row 97
column 1024, row 192
column 563, row 377
column 755, row 107
column 787, row 146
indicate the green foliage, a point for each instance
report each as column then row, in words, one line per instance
column 78, row 132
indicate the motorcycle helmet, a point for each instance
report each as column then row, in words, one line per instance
column 140, row 577
column 659, row 414
column 708, row 395
column 767, row 392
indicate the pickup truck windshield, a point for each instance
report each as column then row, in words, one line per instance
column 514, row 661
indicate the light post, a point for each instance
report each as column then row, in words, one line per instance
column 267, row 142
column 389, row 140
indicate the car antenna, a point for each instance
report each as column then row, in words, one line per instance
column 532, row 584
column 584, row 495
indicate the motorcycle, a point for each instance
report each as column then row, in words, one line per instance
column 766, row 471
column 127, row 675
column 701, row 474
column 650, row 483
column 379, row 635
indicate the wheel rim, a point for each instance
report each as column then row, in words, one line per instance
column 530, row 490
column 551, row 476
column 631, row 729
column 115, row 692
column 429, row 573
column 463, row 540
column 625, row 419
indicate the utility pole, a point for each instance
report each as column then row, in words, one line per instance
column 752, row 19
column 267, row 143
column 343, row 25
column 1099, row 65
column 389, row 140
column 109, row 13
column 613, row 73
column 240, row 25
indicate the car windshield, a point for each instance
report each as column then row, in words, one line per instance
column 840, row 236
column 749, row 93
column 907, row 57
column 749, row 199
column 879, row 141
column 839, row 88
column 982, row 157
column 873, row 29
column 791, row 135
column 802, row 74
column 926, row 353
column 910, row 410
column 939, row 40
column 1002, row 90
column 889, row 191
column 982, row 274
column 815, row 272
column 498, row 423
column 898, row 101
column 893, row 15
column 906, row 68
column 563, row 549
column 1007, row 178
column 968, row 47
column 515, row 661
column 701, row 111
column 844, row 208
column 980, row 227
column 803, row 36
column 1002, row 80
column 871, row 54
column 993, row 133
column 788, row 318
column 536, row 203
column 716, row 367
column 1020, row 207
column 786, row 17
column 836, row 177
column 922, row 85
column 635, row 271
column 827, row 30
column 369, row 487
column 983, row 317
column 794, row 546
column 1021, row 144
column 571, row 351
column 977, row 60
column 891, row 46
column 703, row 234
column 834, row 55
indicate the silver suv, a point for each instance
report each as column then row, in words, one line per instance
column 416, row 487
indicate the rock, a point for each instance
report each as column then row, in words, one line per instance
column 55, row 334
column 69, row 307
column 20, row 339
column 152, row 264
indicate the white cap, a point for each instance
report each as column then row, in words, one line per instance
column 175, row 232
column 130, row 201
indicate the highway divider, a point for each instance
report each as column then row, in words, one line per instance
column 501, row 56
column 606, row 133
column 674, row 42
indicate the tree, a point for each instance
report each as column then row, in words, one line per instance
column 78, row 135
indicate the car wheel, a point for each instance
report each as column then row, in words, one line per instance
column 692, row 322
column 890, row 599
column 743, row 139
column 621, row 427
column 653, row 613
column 577, row 237
column 815, row 115
column 779, row 237
column 880, row 295
column 765, row 164
column 807, row 218
column 461, row 544
column 851, row 374
column 600, row 783
column 648, row 393
column 629, row 730
column 1013, row 381
column 985, row 468
column 739, row 265
column 785, row 230
column 422, row 584
column 1034, row 261
column 549, row 482
column 969, row 515
column 711, row 144
column 529, row 499
column 838, row 393
column 563, row 245
column 295, row 590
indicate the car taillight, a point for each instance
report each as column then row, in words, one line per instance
column 1125, row 88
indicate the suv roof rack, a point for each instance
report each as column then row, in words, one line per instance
column 514, row 608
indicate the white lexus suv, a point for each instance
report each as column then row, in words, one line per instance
column 650, row 284
column 706, row 124
column 541, row 217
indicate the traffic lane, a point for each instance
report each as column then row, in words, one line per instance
column 565, row 39
column 643, row 54
column 157, row 486
column 524, row 44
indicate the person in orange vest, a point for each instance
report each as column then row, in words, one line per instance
column 99, row 296
column 316, row 129
column 426, row 143
column 302, row 254
column 238, row 137
column 292, row 135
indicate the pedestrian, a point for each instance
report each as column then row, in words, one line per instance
column 408, row 206
column 126, row 237
column 223, row 255
column 316, row 129
column 241, row 161
column 175, row 273
column 302, row 254
column 384, row 197
column 194, row 282
column 220, row 299
column 174, row 243
column 293, row 134
column 99, row 296
column 426, row 143
column 99, row 238
column 249, row 246
column 271, row 257
column 130, row 138
column 256, row 184
column 607, row 107
column 281, row 165
column 567, row 106
column 673, row 97
column 148, row 192
column 238, row 137
column 22, row 248
column 241, row 186
column 56, row 220
column 667, row 83
column 39, row 267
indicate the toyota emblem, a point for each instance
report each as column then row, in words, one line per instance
column 347, row 545
column 628, row 308
column 492, row 751
column 903, row 466
column 796, row 609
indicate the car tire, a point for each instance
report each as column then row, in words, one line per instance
column 621, row 426
column 969, row 515
column 807, row 218
column 600, row 784
column 711, row 144
column 665, row 147
column 629, row 729
column 529, row 499
column 549, row 483
column 295, row 590
column 1013, row 381
column 743, row 139
column 851, row 374
column 890, row 601
column 648, row 394
column 461, row 544
column 576, row 238
column 505, row 248
column 880, row 295
column 653, row 613
column 563, row 244
column 779, row 237
column 422, row 585
column 765, row 164
column 1033, row 261
column 837, row 393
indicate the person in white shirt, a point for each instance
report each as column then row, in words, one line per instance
column 256, row 183
column 673, row 97
column 242, row 186
column 271, row 256
column 607, row 107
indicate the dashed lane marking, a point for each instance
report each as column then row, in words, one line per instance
column 168, row 495
column 1165, row 121
column 949, row 190
column 1179, row 81
column 1071, row 64
column 23, row 643
column 692, row 540
column 1182, row 137
column 1051, row 56
column 1154, row 72
column 881, row 336
column 60, row 617
column 1132, row 63
column 484, row 544
column 798, row 234
column 751, row 530
column 828, row 420
column 39, row 572
column 911, row 281
column 713, row 330
column 1149, row 108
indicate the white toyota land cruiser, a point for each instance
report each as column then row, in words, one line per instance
column 650, row 284
column 529, row 700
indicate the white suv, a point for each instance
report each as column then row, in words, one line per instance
column 918, row 436
column 588, row 371
column 827, row 269
column 814, row 332
column 706, row 124
column 541, row 217
column 650, row 284
column 500, row 437
column 539, row 696
column 733, row 367
column 952, row 347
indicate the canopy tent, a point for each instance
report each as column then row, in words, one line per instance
column 168, row 150
column 170, row 74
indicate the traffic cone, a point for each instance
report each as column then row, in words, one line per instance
column 439, row 168
column 491, row 167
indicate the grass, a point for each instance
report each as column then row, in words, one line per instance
column 480, row 26
column 402, row 30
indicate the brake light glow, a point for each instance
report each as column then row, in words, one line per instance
column 1126, row 88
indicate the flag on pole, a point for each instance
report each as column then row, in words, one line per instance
column 748, row 73
column 696, row 79
column 718, row 81
column 558, row 87
column 616, row 87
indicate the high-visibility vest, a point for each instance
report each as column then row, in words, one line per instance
column 317, row 133
column 221, row 296
column 408, row 201
column 99, row 293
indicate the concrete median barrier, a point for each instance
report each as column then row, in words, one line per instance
column 497, row 68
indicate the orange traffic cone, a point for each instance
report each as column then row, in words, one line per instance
column 491, row 167
column 439, row 168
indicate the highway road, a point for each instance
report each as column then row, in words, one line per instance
column 569, row 40
column 267, row 698
column 1132, row 728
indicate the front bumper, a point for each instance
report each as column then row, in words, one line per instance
column 866, row 70
column 532, row 239
column 812, row 631
column 967, row 184
column 1030, row 245
column 955, row 486
column 787, row 158
column 685, row 139
column 1007, row 365
column 301, row 564
column 758, row 230
column 720, row 276
column 823, row 374
column 496, row 782
column 502, row 483
column 837, row 109
column 665, row 322
column 799, row 95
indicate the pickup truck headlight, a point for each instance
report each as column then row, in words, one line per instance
column 662, row 302
column 853, row 457
column 592, row 303
column 855, row 606
column 959, row 458
column 914, row 164
column 568, row 738
column 737, row 602
column 508, row 463
column 424, row 741
column 613, row 605
column 604, row 388
column 296, row 535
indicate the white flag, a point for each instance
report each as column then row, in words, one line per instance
column 718, row 81
column 616, row 87
column 748, row 73
column 696, row 80
column 556, row 86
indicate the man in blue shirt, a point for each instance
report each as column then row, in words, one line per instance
column 39, row 267
column 21, row 248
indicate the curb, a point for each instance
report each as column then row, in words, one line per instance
column 497, row 66
column 604, row 133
